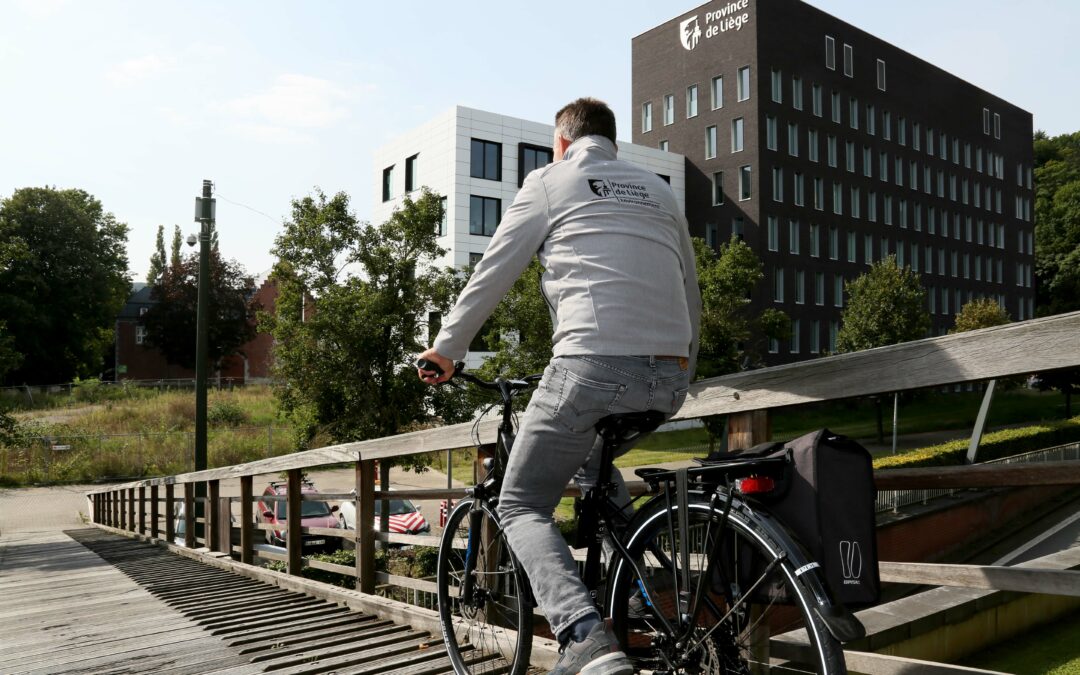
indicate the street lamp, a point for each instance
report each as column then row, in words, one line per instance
column 204, row 214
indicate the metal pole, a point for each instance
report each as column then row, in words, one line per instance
column 204, row 214
column 895, row 414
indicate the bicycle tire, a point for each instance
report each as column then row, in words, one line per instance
column 492, row 631
column 742, row 598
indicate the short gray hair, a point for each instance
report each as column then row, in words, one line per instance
column 585, row 117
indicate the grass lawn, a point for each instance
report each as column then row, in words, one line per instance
column 1052, row 649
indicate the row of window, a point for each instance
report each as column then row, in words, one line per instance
column 920, row 257
column 716, row 99
column 412, row 181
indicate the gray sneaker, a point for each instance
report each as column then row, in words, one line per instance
column 597, row 654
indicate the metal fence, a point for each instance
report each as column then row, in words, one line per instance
column 892, row 500
column 68, row 393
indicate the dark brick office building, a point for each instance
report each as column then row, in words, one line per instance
column 827, row 149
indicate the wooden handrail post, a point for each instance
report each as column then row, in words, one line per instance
column 131, row 509
column 123, row 509
column 142, row 510
column 155, row 512
column 247, row 518
column 189, row 515
column 114, row 499
column 106, row 513
column 747, row 429
column 293, row 541
column 365, row 526
column 170, row 528
column 213, row 515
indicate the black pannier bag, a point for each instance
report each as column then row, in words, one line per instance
column 827, row 502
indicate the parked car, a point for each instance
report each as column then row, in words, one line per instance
column 179, row 527
column 405, row 517
column 312, row 514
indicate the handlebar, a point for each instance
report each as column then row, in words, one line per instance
column 496, row 385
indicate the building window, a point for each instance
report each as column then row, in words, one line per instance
column 737, row 134
column 812, row 145
column 388, row 183
column 849, row 156
column 852, row 248
column 855, row 202
column 484, row 215
column 410, row 173
column 770, row 133
column 744, row 182
column 795, row 336
column 777, row 86
column 916, row 131
column 710, row 142
column 777, row 184
column 867, row 164
column 886, row 125
column 883, row 167
column 691, row 101
column 838, row 291
column 737, row 228
column 830, row 150
column 796, row 93
column 815, row 99
column 717, row 92
column 718, row 188
column 819, row 288
column 849, row 60
column 835, row 101
column 773, row 233
column 986, row 121
column 793, row 237
column 871, row 120
column 475, row 258
column 532, row 157
column 646, row 117
column 888, row 210
column 871, row 206
column 838, row 198
column 853, row 113
column 819, row 194
column 669, row 109
column 815, row 337
column 664, row 145
column 778, row 284
column 800, row 198
column 140, row 334
column 742, row 92
column 800, row 288
column 815, row 240
column 834, row 243
column 443, row 220
column 486, row 160
column 881, row 75
column 793, row 139
column 901, row 131
column 997, row 126
column 830, row 52
column 868, row 249
column 712, row 235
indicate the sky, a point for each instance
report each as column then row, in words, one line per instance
column 137, row 102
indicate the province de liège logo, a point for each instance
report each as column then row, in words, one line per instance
column 690, row 32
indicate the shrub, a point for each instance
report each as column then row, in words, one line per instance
column 994, row 445
column 226, row 412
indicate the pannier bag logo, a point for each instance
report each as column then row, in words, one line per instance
column 690, row 34
column 851, row 561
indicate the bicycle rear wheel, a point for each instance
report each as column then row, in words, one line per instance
column 751, row 591
column 485, row 615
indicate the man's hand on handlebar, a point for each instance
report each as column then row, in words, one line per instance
column 433, row 376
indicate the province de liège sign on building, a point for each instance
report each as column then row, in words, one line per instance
column 730, row 17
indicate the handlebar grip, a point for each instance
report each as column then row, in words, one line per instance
column 424, row 364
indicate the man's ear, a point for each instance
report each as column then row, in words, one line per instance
column 561, row 145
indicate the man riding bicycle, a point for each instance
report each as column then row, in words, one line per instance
column 621, row 285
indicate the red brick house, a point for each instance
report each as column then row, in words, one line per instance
column 136, row 360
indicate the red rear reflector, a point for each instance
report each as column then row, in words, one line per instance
column 755, row 485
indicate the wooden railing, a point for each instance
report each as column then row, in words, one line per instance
column 747, row 397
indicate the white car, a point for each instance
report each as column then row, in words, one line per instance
column 405, row 517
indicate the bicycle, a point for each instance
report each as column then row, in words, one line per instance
column 698, row 578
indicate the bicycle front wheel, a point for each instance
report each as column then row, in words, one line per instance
column 485, row 615
column 749, row 592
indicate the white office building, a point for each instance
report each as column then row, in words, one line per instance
column 477, row 161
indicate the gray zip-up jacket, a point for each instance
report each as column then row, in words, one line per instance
column 619, row 267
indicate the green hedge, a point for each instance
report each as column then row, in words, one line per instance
column 1004, row 443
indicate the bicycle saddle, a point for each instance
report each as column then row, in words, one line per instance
column 624, row 426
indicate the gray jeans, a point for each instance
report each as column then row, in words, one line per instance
column 557, row 440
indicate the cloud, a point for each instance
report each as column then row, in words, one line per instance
column 137, row 70
column 295, row 102
column 42, row 9
column 269, row 133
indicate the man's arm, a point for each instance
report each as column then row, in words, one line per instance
column 693, row 291
column 518, row 237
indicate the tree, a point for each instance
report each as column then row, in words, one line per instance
column 885, row 306
column 157, row 260
column 980, row 313
column 171, row 322
column 63, row 283
column 349, row 317
column 174, row 249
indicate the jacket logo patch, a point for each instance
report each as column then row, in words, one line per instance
column 627, row 193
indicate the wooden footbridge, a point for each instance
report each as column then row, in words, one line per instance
column 121, row 597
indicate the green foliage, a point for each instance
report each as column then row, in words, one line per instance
column 171, row 320
column 1057, row 223
column 349, row 314
column 980, row 313
column 157, row 260
column 994, row 445
column 885, row 306
column 93, row 390
column 174, row 248
column 225, row 412
column 63, row 279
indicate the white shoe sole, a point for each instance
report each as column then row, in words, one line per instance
column 604, row 665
